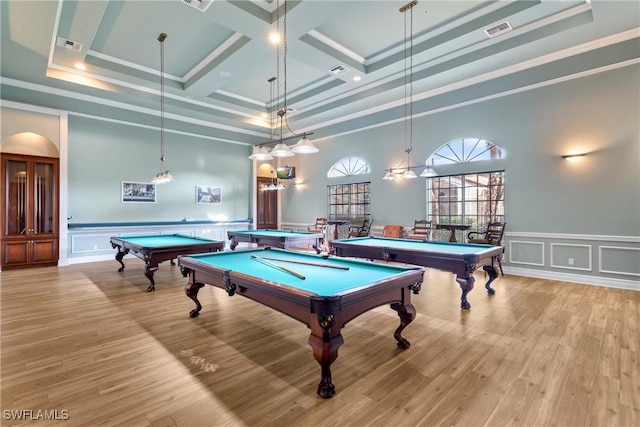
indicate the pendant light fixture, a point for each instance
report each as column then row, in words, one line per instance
column 402, row 171
column 274, row 184
column 281, row 149
column 164, row 175
column 260, row 152
column 304, row 145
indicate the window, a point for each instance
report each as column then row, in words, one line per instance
column 474, row 199
column 348, row 166
column 349, row 201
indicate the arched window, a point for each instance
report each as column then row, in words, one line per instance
column 469, row 199
column 465, row 150
column 348, row 166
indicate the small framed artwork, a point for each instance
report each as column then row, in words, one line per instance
column 138, row 192
column 206, row 195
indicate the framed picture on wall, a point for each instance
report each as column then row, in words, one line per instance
column 138, row 192
column 207, row 194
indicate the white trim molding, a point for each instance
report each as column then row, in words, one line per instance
column 589, row 250
column 558, row 236
column 523, row 242
column 600, row 256
column 582, row 279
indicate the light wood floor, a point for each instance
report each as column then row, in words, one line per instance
column 91, row 341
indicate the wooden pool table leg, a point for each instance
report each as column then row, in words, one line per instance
column 493, row 274
column 191, row 289
column 406, row 312
column 149, row 269
column 119, row 256
column 325, row 341
column 466, row 284
column 318, row 246
column 234, row 243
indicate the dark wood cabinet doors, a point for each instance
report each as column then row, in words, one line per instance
column 30, row 209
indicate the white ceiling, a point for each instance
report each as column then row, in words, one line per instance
column 218, row 62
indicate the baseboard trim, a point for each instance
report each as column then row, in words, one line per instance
column 574, row 278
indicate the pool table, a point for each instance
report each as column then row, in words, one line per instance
column 458, row 258
column 325, row 292
column 282, row 239
column 154, row 249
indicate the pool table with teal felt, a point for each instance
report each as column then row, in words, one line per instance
column 458, row 258
column 154, row 249
column 282, row 239
column 323, row 292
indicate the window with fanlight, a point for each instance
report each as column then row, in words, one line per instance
column 348, row 202
column 473, row 199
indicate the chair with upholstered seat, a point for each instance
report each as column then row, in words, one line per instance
column 361, row 230
column 421, row 230
column 493, row 235
column 394, row 231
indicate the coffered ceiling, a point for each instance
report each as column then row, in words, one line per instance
column 218, row 62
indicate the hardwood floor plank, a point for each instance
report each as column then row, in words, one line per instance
column 630, row 379
column 604, row 404
column 515, row 402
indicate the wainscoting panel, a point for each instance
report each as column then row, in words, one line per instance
column 528, row 253
column 619, row 260
column 90, row 243
column 571, row 256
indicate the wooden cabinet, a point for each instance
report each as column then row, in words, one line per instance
column 29, row 210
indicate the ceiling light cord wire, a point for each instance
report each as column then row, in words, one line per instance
column 408, row 86
column 162, row 104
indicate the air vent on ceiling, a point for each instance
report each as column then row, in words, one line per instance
column 496, row 30
column 339, row 69
column 68, row 44
column 201, row 5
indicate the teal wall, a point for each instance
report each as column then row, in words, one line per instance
column 103, row 154
column 596, row 114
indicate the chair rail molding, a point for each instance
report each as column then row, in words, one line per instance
column 557, row 236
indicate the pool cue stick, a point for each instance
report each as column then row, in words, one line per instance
column 315, row 264
column 279, row 267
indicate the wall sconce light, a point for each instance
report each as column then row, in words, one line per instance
column 573, row 157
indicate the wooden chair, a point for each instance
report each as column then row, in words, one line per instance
column 421, row 230
column 493, row 235
column 394, row 231
column 361, row 230
column 320, row 226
